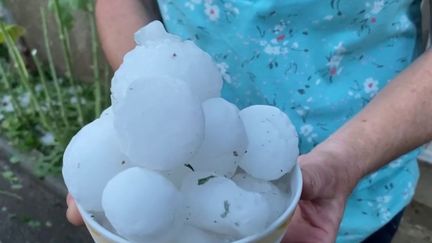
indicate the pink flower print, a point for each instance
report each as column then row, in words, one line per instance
column 333, row 71
column 306, row 130
column 272, row 50
column 223, row 69
column 377, row 6
column 276, row 46
column 212, row 12
column 370, row 86
column 231, row 8
column 280, row 37
column 192, row 3
column 335, row 59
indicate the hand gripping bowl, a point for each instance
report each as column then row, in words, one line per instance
column 273, row 233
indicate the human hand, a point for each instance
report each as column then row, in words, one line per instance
column 328, row 179
column 72, row 213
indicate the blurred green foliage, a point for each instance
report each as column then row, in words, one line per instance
column 15, row 31
column 41, row 109
column 67, row 8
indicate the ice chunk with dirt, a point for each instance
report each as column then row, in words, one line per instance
column 160, row 123
column 171, row 57
column 91, row 159
column 273, row 142
column 141, row 205
column 225, row 139
column 218, row 205
column 277, row 199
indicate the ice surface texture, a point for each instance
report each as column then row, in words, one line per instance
column 225, row 139
column 91, row 159
column 140, row 204
column 160, row 53
column 160, row 123
column 273, row 142
column 277, row 199
column 217, row 204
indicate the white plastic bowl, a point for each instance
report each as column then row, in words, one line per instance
column 274, row 233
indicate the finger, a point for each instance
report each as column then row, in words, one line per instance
column 301, row 231
column 72, row 213
column 297, row 229
column 69, row 199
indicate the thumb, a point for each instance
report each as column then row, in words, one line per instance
column 72, row 213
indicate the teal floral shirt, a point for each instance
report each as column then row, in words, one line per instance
column 320, row 61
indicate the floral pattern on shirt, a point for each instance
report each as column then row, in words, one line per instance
column 321, row 62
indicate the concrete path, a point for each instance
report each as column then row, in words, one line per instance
column 30, row 212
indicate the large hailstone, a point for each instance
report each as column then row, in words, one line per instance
column 152, row 33
column 218, row 205
column 161, row 53
column 91, row 159
column 273, row 142
column 225, row 139
column 160, row 123
column 277, row 199
column 141, row 205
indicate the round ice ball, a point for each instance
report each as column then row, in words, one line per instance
column 91, row 159
column 218, row 205
column 170, row 57
column 140, row 204
column 225, row 139
column 277, row 199
column 273, row 142
column 152, row 33
column 160, row 123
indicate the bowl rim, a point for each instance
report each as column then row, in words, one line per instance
column 94, row 225
column 287, row 213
